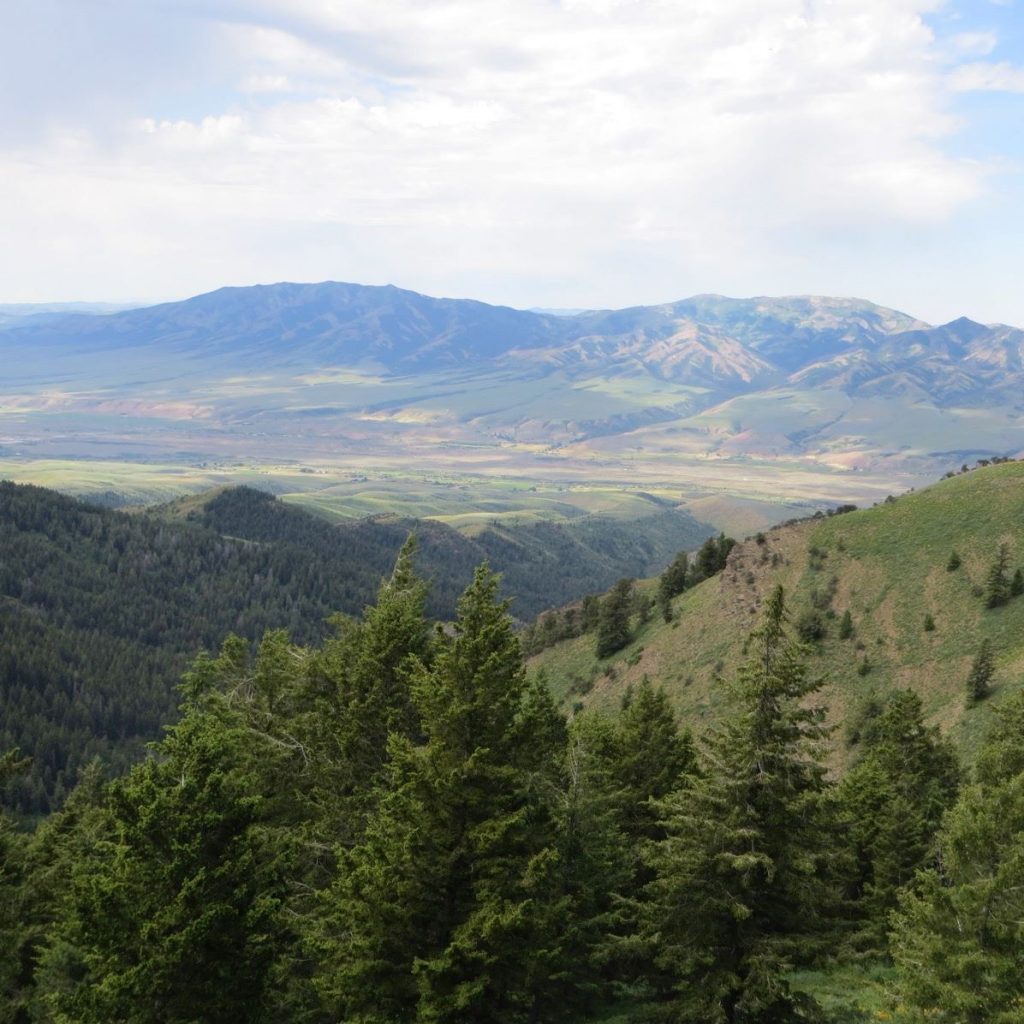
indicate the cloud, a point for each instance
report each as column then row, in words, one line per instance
column 984, row 77
column 432, row 140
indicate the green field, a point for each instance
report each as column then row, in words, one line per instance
column 463, row 500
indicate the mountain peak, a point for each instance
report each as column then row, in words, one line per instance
column 964, row 328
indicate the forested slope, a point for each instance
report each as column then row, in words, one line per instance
column 542, row 563
column 100, row 611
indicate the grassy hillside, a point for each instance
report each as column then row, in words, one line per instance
column 887, row 566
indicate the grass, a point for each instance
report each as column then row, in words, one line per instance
column 846, row 993
column 849, row 993
column 888, row 565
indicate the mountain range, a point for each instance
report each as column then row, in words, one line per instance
column 829, row 386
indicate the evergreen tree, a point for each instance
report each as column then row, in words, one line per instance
column 672, row 582
column 892, row 802
column 664, row 604
column 13, row 938
column 997, row 583
column 711, row 557
column 958, row 937
column 929, row 623
column 583, row 886
column 1017, row 584
column 437, row 914
column 846, row 625
column 66, row 839
column 649, row 758
column 652, row 755
column 810, row 626
column 953, row 562
column 613, row 631
column 364, row 677
column 742, row 879
column 979, row 679
column 176, row 917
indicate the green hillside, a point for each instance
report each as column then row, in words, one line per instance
column 887, row 566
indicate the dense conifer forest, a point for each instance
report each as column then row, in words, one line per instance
column 101, row 612
column 397, row 824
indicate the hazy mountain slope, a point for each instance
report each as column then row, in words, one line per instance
column 330, row 371
column 887, row 566
column 305, row 325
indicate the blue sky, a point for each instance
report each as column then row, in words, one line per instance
column 532, row 152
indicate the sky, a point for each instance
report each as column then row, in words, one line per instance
column 536, row 153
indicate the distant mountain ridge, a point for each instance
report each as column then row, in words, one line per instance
column 706, row 340
column 799, row 376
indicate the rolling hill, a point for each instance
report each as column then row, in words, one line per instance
column 886, row 566
column 816, row 398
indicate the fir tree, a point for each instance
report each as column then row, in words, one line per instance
column 14, row 961
column 742, row 880
column 953, row 563
column 997, row 583
column 979, row 679
column 176, row 917
column 892, row 801
column 652, row 756
column 846, row 625
column 351, row 695
column 1017, row 584
column 929, row 623
column 711, row 557
column 958, row 937
column 438, row 914
column 65, row 840
column 582, row 888
column 613, row 631
column 675, row 579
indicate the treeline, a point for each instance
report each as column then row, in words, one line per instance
column 398, row 825
column 614, row 617
column 101, row 611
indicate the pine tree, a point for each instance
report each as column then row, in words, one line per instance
column 892, row 802
column 437, row 914
column 362, row 679
column 584, row 885
column 65, row 840
column 652, row 756
column 672, row 582
column 958, row 936
column 14, row 938
column 1017, row 584
column 846, row 625
column 613, row 631
column 176, row 917
column 742, row 879
column 953, row 563
column 979, row 679
column 711, row 557
column 929, row 623
column 997, row 583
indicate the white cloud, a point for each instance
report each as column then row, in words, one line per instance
column 985, row 77
column 974, row 44
column 431, row 140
